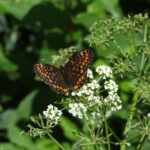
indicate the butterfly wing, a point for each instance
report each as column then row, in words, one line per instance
column 51, row 76
column 76, row 69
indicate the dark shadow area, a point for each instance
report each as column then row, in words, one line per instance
column 133, row 7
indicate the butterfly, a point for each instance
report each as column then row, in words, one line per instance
column 71, row 76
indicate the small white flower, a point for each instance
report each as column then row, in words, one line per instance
column 52, row 114
column 89, row 74
column 119, row 107
column 148, row 115
column 108, row 114
column 77, row 109
column 105, row 71
column 73, row 93
column 84, row 87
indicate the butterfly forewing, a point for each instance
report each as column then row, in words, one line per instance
column 51, row 76
column 76, row 68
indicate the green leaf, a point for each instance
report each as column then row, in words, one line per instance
column 68, row 128
column 8, row 118
column 9, row 146
column 146, row 145
column 97, row 8
column 17, row 8
column 25, row 107
column 46, row 144
column 101, row 7
column 5, row 63
column 82, row 19
column 112, row 7
column 123, row 114
column 99, row 62
column 18, row 139
column 46, row 54
column 127, row 86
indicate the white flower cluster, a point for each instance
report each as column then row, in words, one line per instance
column 93, row 96
column 77, row 109
column 113, row 100
column 87, row 89
column 52, row 114
column 104, row 71
column 111, row 86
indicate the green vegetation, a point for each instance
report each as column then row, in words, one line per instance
column 50, row 31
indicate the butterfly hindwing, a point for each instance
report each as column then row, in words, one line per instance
column 76, row 68
column 51, row 76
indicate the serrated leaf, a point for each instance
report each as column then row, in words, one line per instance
column 25, row 107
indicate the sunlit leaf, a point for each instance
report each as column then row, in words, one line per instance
column 17, row 8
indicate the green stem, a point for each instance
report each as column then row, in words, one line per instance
column 90, row 127
column 141, row 142
column 123, row 146
column 59, row 145
column 143, row 55
column 113, row 133
column 106, row 131
column 145, row 34
column 131, row 114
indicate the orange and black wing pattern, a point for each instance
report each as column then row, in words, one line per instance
column 52, row 76
column 76, row 68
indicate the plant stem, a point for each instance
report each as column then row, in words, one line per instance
column 113, row 133
column 122, row 147
column 131, row 114
column 141, row 142
column 89, row 126
column 106, row 131
column 145, row 34
column 59, row 145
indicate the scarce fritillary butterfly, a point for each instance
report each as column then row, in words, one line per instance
column 71, row 76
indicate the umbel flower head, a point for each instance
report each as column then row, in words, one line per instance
column 52, row 114
column 104, row 71
column 77, row 109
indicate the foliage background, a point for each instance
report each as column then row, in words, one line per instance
column 32, row 31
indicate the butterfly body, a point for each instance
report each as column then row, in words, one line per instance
column 71, row 76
